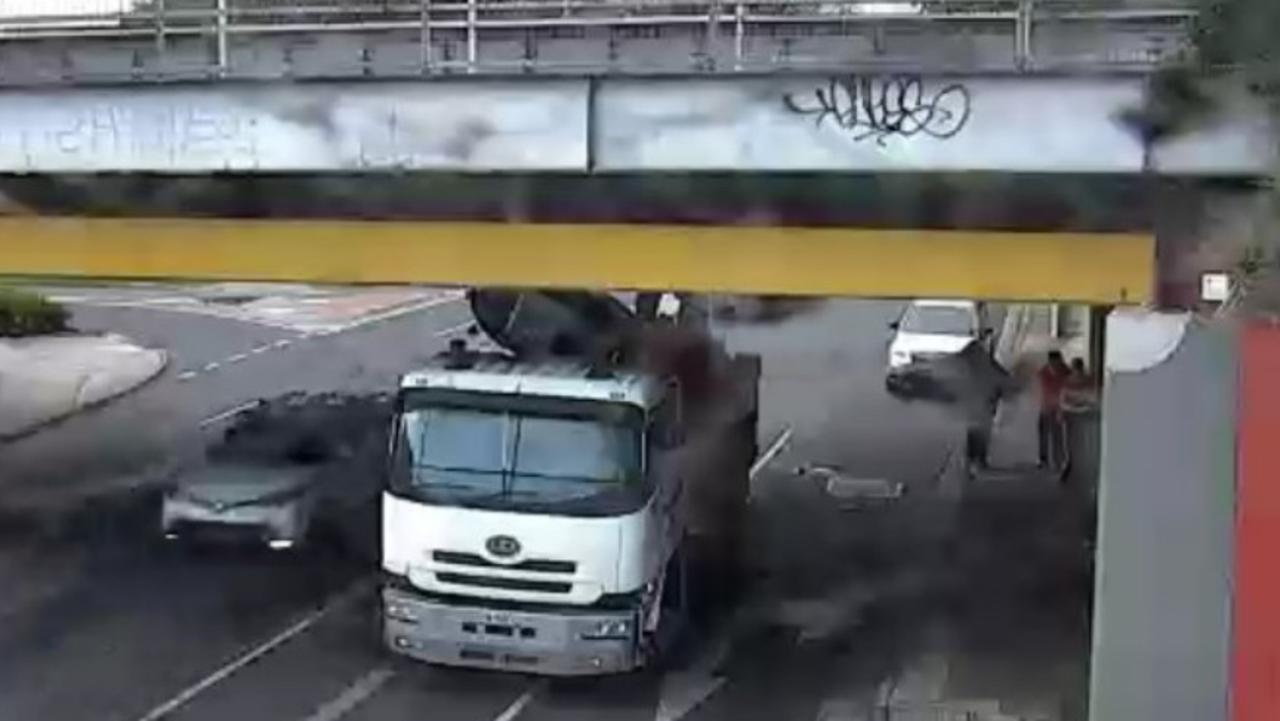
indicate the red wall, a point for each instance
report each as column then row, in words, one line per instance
column 1255, row 677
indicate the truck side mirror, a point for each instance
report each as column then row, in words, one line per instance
column 894, row 325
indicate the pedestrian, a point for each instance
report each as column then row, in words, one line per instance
column 979, row 411
column 1079, row 378
column 977, row 385
column 1053, row 379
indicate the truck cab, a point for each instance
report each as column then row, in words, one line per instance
column 532, row 516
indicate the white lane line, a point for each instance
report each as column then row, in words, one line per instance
column 453, row 329
column 433, row 302
column 517, row 707
column 229, row 413
column 282, row 343
column 260, row 349
column 238, row 357
column 187, row 375
column 352, row 696
column 195, row 689
column 684, row 690
column 211, row 366
column 771, row 452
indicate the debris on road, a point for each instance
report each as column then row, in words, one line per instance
column 851, row 490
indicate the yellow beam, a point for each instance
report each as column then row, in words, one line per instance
column 1083, row 267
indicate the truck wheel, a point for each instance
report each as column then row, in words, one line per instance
column 664, row 645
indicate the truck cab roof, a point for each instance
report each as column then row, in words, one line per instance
column 504, row 374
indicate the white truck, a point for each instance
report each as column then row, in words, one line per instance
column 550, row 516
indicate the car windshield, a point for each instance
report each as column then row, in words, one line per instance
column 938, row 320
column 468, row 454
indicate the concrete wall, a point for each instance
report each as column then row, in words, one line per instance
column 286, row 127
column 1162, row 618
column 848, row 123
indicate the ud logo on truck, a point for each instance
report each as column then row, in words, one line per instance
column 502, row 546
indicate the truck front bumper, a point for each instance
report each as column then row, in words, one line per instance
column 560, row 642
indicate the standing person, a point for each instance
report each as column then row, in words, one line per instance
column 1053, row 378
column 1079, row 377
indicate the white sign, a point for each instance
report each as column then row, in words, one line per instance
column 1215, row 287
column 288, row 127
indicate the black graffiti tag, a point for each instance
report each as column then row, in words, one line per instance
column 880, row 107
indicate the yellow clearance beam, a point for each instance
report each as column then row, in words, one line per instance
column 1082, row 267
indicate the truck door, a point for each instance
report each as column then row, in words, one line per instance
column 669, row 482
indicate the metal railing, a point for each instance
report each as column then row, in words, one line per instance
column 450, row 34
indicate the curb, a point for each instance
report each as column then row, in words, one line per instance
column 38, row 426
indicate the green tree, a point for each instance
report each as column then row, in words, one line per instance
column 1238, row 40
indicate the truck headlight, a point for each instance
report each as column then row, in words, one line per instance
column 899, row 358
column 401, row 612
column 616, row 630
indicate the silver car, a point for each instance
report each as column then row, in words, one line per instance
column 268, row 504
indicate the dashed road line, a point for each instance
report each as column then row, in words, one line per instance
column 352, row 696
column 185, row 696
column 229, row 413
column 285, row 343
column 517, row 707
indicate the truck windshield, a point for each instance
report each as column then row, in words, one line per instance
column 498, row 458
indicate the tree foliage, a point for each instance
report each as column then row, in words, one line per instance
column 1241, row 39
column 1244, row 36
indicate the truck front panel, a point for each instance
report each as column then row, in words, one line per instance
column 559, row 641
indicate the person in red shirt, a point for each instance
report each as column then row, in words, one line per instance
column 1053, row 378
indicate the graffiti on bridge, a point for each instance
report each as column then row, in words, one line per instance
column 879, row 107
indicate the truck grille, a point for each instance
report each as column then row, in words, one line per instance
column 506, row 584
column 458, row 558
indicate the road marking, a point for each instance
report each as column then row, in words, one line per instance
column 517, row 707
column 213, row 366
column 352, row 696
column 229, row 413
column 186, row 695
column 260, row 349
column 453, row 329
column 238, row 357
column 433, row 302
column 187, row 375
column 282, row 343
column 771, row 452
column 685, row 690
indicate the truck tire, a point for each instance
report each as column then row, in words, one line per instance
column 665, row 646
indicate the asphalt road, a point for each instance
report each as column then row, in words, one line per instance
column 99, row 622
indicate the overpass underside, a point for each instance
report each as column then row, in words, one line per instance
column 1080, row 239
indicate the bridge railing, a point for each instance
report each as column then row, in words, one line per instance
column 434, row 36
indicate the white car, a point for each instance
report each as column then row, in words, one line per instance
column 930, row 329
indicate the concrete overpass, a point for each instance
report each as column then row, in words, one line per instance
column 187, row 88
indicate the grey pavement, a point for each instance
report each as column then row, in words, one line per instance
column 47, row 378
column 939, row 597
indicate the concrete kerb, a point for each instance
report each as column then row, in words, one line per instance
column 52, row 397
